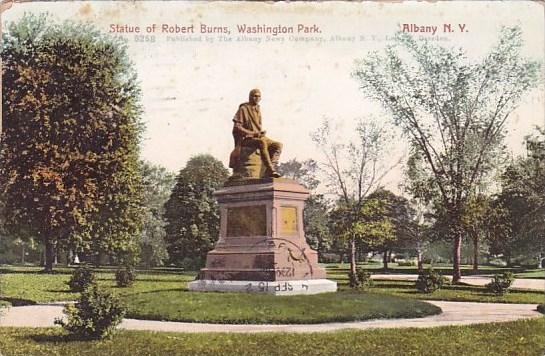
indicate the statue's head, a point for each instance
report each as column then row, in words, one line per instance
column 254, row 96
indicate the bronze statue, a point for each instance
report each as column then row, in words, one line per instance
column 255, row 155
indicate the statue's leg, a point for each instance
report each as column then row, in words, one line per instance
column 264, row 148
column 275, row 149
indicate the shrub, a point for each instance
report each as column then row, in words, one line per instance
column 361, row 280
column 541, row 308
column 94, row 316
column 500, row 283
column 125, row 277
column 81, row 278
column 429, row 281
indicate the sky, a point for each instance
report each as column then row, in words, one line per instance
column 192, row 83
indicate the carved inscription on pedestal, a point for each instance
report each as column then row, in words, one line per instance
column 288, row 221
column 247, row 221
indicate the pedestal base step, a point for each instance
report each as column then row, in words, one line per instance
column 310, row 286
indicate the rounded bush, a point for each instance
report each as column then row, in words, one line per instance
column 500, row 283
column 362, row 279
column 125, row 277
column 95, row 314
column 81, row 278
column 430, row 281
column 541, row 308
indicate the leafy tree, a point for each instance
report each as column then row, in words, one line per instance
column 503, row 222
column 158, row 184
column 370, row 225
column 69, row 149
column 191, row 212
column 534, row 166
column 419, row 185
column 397, row 211
column 316, row 221
column 316, row 213
column 454, row 111
column 303, row 172
column 519, row 208
column 353, row 170
column 116, row 227
column 475, row 219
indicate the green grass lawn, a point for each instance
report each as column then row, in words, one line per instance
column 520, row 338
column 535, row 273
column 163, row 295
column 181, row 305
column 27, row 285
column 460, row 293
column 446, row 269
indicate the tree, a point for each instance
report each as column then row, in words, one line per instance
column 535, row 184
column 69, row 149
column 370, row 225
column 519, row 208
column 303, row 172
column 475, row 219
column 158, row 184
column 192, row 213
column 395, row 210
column 452, row 110
column 114, row 230
column 503, row 223
column 353, row 170
column 316, row 221
column 316, row 212
column 419, row 185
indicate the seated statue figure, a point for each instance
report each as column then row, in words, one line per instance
column 255, row 155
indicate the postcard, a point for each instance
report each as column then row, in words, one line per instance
column 347, row 99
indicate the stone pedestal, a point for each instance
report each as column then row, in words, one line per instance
column 262, row 246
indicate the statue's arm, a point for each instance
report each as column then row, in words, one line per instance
column 238, row 127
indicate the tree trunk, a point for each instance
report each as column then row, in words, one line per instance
column 49, row 255
column 98, row 259
column 22, row 253
column 353, row 256
column 456, row 257
column 385, row 260
column 475, row 253
column 420, row 261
